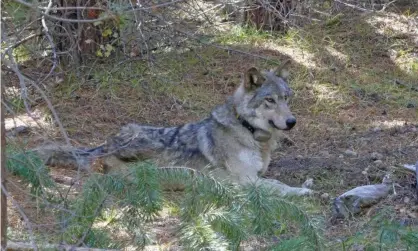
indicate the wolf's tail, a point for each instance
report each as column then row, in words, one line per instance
column 69, row 156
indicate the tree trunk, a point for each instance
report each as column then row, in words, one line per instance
column 268, row 14
column 3, row 215
column 80, row 40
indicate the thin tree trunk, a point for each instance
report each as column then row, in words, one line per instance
column 3, row 215
column 268, row 14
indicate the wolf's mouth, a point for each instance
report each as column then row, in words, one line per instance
column 273, row 125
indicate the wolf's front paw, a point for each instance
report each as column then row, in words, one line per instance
column 298, row 191
column 308, row 183
column 306, row 191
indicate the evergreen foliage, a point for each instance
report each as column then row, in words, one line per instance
column 30, row 168
column 383, row 233
column 213, row 215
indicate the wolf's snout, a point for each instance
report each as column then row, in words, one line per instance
column 290, row 123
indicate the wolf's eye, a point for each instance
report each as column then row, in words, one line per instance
column 270, row 100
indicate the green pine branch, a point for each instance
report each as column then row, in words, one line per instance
column 29, row 167
column 213, row 214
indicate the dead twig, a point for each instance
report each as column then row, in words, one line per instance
column 387, row 5
column 414, row 168
column 11, row 246
column 17, row 44
column 353, row 6
column 105, row 17
column 51, row 42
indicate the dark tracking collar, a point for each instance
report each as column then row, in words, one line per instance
column 245, row 124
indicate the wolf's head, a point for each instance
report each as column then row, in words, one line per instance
column 262, row 101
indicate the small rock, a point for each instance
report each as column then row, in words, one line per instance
column 341, row 156
column 412, row 214
column 325, row 196
column 406, row 200
column 308, row 183
column 299, row 157
column 376, row 156
column 18, row 130
column 378, row 162
column 350, row 153
column 58, row 80
column 393, row 54
column 287, row 141
column 410, row 105
column 325, row 153
column 313, row 145
column 376, row 129
column 358, row 247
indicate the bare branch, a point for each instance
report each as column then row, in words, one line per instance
column 192, row 36
column 51, row 42
column 106, row 17
column 353, row 6
column 27, row 246
column 17, row 44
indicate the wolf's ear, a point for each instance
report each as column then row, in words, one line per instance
column 282, row 70
column 253, row 79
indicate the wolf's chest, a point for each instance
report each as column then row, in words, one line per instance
column 251, row 158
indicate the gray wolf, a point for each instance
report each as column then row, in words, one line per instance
column 234, row 142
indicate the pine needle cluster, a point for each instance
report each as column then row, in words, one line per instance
column 29, row 167
column 213, row 215
column 384, row 233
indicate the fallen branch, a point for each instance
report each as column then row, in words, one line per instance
column 11, row 246
column 110, row 15
column 409, row 167
column 414, row 169
column 61, row 179
column 18, row 43
column 353, row 6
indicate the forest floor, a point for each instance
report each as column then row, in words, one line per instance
column 356, row 88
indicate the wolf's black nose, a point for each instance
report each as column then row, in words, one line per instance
column 290, row 123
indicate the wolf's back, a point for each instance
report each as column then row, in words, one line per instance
column 133, row 142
